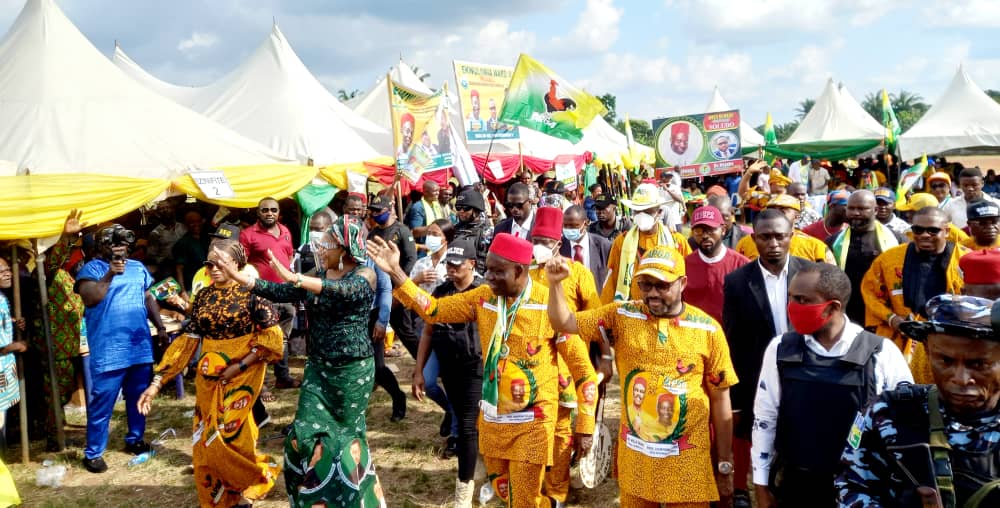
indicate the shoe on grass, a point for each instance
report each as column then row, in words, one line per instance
column 137, row 448
column 95, row 465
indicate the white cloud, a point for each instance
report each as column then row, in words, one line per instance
column 198, row 40
column 959, row 13
column 597, row 27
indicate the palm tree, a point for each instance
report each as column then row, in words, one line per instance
column 908, row 101
column 873, row 104
column 805, row 106
column 344, row 95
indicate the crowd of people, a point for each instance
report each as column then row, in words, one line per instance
column 796, row 335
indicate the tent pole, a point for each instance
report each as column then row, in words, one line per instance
column 43, row 295
column 22, row 406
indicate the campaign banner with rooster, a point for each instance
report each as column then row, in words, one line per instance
column 541, row 100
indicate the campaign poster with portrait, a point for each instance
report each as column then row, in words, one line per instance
column 699, row 145
column 481, row 90
column 654, row 413
column 421, row 130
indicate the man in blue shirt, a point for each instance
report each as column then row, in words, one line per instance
column 114, row 290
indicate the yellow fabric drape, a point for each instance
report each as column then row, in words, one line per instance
column 35, row 206
column 336, row 174
column 253, row 183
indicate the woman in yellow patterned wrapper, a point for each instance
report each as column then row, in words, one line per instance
column 239, row 334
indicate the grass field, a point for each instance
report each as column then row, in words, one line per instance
column 405, row 457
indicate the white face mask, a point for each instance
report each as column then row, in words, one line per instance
column 644, row 221
column 541, row 253
column 433, row 243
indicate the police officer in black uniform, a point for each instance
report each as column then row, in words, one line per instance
column 935, row 445
column 473, row 225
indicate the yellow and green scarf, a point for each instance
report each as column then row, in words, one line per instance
column 498, row 350
column 883, row 236
column 630, row 250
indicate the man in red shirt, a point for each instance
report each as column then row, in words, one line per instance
column 267, row 234
column 835, row 220
column 711, row 261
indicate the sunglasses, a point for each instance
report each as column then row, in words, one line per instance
column 510, row 205
column 265, row 210
column 939, row 185
column 919, row 230
column 461, row 208
column 645, row 286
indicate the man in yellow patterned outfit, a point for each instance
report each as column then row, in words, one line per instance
column 520, row 368
column 903, row 278
column 676, row 371
column 546, row 237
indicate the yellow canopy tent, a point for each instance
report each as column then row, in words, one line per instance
column 35, row 206
column 253, row 183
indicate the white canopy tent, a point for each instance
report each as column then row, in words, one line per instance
column 274, row 99
column 67, row 109
column 963, row 120
column 833, row 120
column 749, row 138
column 853, row 108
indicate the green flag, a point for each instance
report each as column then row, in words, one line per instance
column 908, row 177
column 890, row 123
column 770, row 138
column 539, row 99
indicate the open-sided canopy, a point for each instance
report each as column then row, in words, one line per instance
column 964, row 120
column 274, row 99
column 749, row 138
column 834, row 122
column 67, row 109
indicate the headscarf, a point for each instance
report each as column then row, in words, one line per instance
column 350, row 232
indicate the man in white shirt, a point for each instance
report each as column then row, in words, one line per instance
column 673, row 197
column 819, row 179
column 970, row 180
column 814, row 383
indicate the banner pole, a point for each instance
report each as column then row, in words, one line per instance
column 50, row 346
column 22, row 406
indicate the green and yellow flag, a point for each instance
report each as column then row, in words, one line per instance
column 770, row 137
column 892, row 129
column 539, row 99
column 907, row 178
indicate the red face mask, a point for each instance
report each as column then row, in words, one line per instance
column 807, row 318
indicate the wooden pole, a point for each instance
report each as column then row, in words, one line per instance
column 43, row 295
column 22, row 406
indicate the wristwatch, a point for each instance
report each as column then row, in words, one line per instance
column 725, row 468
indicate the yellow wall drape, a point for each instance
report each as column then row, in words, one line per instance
column 336, row 174
column 253, row 183
column 36, row 206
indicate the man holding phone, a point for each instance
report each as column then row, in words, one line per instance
column 934, row 445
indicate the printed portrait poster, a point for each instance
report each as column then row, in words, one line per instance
column 699, row 145
column 481, row 89
column 654, row 413
column 421, row 130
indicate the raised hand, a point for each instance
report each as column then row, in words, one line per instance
column 73, row 223
column 556, row 270
column 384, row 254
column 281, row 269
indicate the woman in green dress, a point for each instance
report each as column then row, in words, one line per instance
column 327, row 460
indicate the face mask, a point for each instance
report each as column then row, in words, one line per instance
column 381, row 218
column 807, row 319
column 541, row 253
column 644, row 221
column 573, row 235
column 433, row 243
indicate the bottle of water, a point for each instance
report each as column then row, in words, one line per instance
column 141, row 458
column 50, row 474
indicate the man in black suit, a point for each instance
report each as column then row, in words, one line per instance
column 520, row 211
column 578, row 245
column 754, row 311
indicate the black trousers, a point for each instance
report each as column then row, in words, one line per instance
column 405, row 324
column 797, row 488
column 383, row 376
column 463, row 382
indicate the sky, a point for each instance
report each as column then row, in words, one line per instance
column 659, row 57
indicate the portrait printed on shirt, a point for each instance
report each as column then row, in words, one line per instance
column 237, row 404
column 655, row 413
column 354, row 463
column 517, row 390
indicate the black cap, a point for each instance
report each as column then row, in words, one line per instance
column 460, row 250
column 227, row 232
column 958, row 315
column 982, row 209
column 604, row 201
column 472, row 199
column 381, row 202
column 554, row 187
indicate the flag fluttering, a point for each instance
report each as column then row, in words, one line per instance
column 770, row 137
column 889, row 122
column 908, row 178
column 539, row 99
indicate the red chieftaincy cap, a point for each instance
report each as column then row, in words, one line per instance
column 679, row 128
column 511, row 247
column 981, row 266
column 548, row 223
column 406, row 118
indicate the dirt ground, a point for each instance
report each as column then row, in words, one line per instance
column 406, row 457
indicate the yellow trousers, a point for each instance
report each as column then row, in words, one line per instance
column 516, row 484
column 556, row 484
column 630, row 501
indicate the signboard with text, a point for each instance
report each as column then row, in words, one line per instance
column 699, row 145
